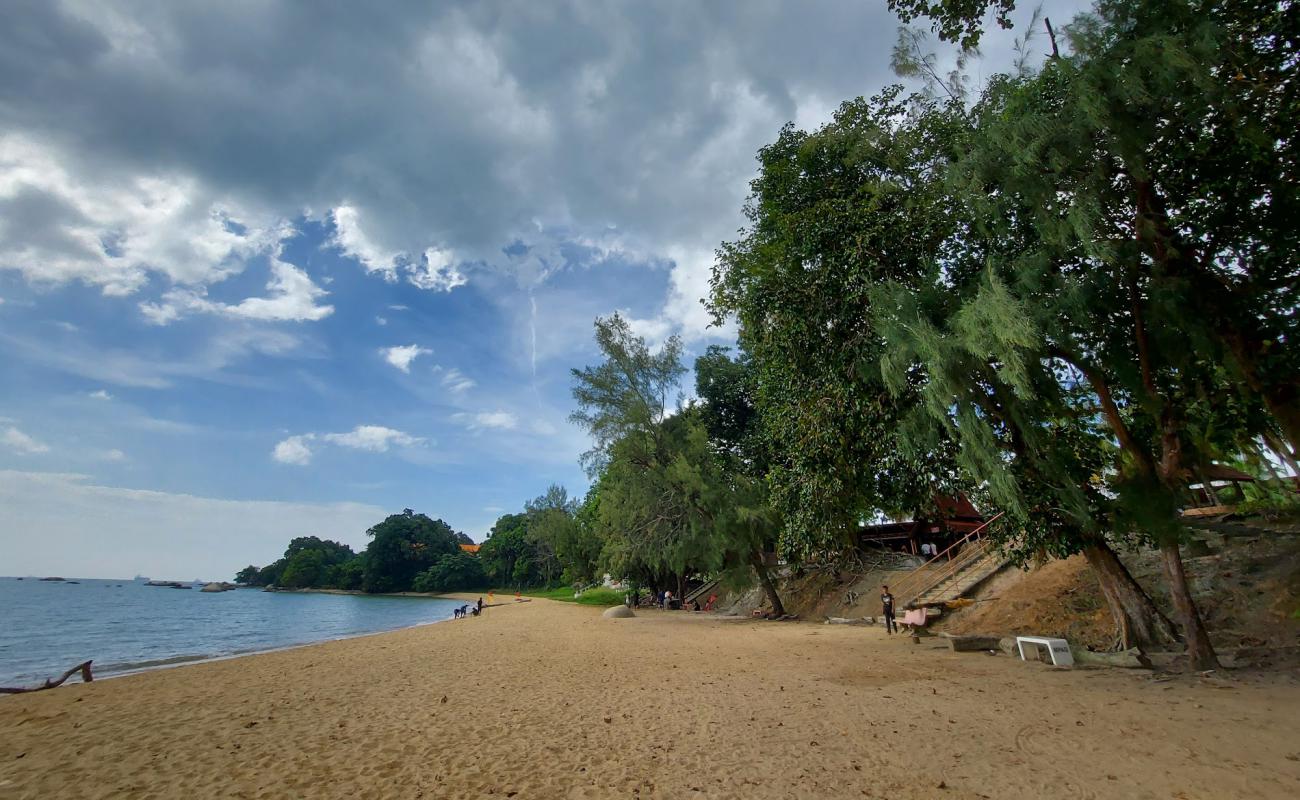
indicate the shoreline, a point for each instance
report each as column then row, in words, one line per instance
column 552, row 700
column 187, row 661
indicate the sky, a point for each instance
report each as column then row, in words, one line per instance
column 272, row 269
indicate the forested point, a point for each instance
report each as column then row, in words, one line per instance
column 1068, row 293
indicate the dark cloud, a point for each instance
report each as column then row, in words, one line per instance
column 458, row 125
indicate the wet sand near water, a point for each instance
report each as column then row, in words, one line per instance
column 549, row 700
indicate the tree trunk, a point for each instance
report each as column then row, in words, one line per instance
column 769, row 588
column 1138, row 622
column 1199, row 650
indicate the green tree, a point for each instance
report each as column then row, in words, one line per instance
column 452, row 572
column 956, row 20
column 560, row 540
column 831, row 216
column 667, row 503
column 249, row 576
column 505, row 549
column 628, row 393
column 1134, row 204
column 403, row 546
column 885, row 374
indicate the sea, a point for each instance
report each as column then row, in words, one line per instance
column 47, row 627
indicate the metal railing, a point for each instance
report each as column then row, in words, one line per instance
column 970, row 548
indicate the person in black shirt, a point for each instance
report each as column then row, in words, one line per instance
column 887, row 610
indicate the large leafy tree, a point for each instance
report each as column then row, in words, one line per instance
column 403, row 546
column 560, row 538
column 831, row 216
column 629, row 392
column 452, row 572
column 881, row 379
column 506, row 554
column 1134, row 198
column 667, row 504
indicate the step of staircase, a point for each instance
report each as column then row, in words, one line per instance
column 962, row 581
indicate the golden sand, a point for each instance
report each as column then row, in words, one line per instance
column 549, row 700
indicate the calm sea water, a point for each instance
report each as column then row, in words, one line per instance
column 46, row 627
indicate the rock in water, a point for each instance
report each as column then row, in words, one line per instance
column 215, row 587
column 618, row 612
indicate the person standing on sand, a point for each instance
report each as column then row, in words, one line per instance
column 887, row 610
column 480, row 604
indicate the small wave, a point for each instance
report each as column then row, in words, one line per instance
column 137, row 666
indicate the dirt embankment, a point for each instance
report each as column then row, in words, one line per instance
column 1245, row 577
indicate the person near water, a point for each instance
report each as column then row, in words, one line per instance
column 480, row 604
column 887, row 610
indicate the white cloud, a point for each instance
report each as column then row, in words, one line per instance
column 293, row 450
column 402, row 355
column 353, row 241
column 291, row 297
column 499, row 420
column 21, row 443
column 380, row 321
column 161, row 534
column 436, row 272
column 456, row 381
column 62, row 223
column 298, row 450
column 101, row 394
column 113, row 455
column 374, row 438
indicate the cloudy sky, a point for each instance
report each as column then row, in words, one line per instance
column 270, row 269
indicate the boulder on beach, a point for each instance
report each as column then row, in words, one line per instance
column 618, row 612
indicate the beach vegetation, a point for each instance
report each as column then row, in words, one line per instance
column 671, row 502
column 1067, row 293
column 452, row 572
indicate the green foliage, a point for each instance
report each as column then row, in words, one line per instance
column 403, row 546
column 313, row 562
column 506, row 554
column 833, row 216
column 308, row 562
column 670, row 501
column 452, row 573
column 562, row 539
column 598, row 596
column 626, row 394
column 956, row 20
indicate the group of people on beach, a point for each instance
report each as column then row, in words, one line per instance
column 470, row 609
column 667, row 601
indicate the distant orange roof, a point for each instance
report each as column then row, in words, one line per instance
column 470, row 548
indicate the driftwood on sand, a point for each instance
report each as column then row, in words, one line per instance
column 50, row 683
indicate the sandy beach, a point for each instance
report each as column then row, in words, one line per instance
column 549, row 700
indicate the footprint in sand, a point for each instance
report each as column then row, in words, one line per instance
column 1026, row 741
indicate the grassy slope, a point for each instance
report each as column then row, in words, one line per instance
column 591, row 597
